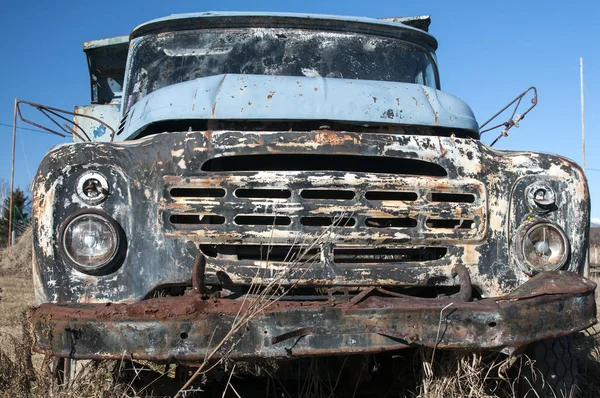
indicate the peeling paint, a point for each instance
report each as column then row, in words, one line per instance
column 379, row 189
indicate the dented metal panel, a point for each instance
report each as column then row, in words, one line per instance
column 255, row 98
column 142, row 174
column 187, row 329
column 110, row 114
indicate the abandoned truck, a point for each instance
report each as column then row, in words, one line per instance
column 280, row 185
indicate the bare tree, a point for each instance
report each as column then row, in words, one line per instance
column 4, row 190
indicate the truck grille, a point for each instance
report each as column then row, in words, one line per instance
column 385, row 206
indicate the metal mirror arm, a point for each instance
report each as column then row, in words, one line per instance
column 514, row 118
column 56, row 113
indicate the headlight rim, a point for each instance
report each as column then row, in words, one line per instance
column 523, row 231
column 102, row 180
column 115, row 260
column 537, row 207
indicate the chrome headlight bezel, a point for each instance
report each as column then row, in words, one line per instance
column 92, row 187
column 541, row 197
column 523, row 237
column 114, row 258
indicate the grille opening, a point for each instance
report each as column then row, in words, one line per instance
column 297, row 125
column 353, row 256
column 197, row 192
column 314, row 162
column 327, row 221
column 391, row 195
column 167, row 291
column 289, row 253
column 384, row 222
column 322, row 292
column 450, row 224
column 263, row 193
column 453, row 197
column 327, row 194
column 122, row 123
column 197, row 219
column 262, row 220
column 284, row 253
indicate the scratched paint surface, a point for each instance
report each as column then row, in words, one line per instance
column 374, row 196
column 143, row 174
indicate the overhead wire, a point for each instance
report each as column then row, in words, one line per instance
column 25, row 128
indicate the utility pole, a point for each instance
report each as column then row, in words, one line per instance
column 12, row 176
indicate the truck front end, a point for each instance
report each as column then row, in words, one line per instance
column 285, row 185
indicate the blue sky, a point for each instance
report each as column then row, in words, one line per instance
column 488, row 53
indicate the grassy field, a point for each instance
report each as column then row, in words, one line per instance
column 412, row 373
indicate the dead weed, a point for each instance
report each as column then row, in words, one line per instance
column 417, row 373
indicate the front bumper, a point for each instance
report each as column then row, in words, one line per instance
column 189, row 328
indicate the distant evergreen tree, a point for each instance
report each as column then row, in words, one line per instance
column 21, row 217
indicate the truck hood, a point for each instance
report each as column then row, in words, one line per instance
column 283, row 98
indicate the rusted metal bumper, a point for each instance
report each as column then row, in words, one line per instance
column 189, row 328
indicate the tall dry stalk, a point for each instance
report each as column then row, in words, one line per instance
column 263, row 295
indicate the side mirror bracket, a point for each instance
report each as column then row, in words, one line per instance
column 514, row 119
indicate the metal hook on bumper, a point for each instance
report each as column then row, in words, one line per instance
column 198, row 286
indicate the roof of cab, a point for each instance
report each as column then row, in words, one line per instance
column 411, row 28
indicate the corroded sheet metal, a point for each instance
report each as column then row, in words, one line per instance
column 226, row 19
column 108, row 42
column 358, row 209
column 143, row 173
column 255, row 97
column 189, row 328
column 110, row 114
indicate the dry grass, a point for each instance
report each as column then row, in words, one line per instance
column 408, row 373
column 17, row 259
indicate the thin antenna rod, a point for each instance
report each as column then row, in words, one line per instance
column 12, row 176
column 586, row 266
column 582, row 116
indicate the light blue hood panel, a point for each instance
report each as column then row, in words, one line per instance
column 257, row 97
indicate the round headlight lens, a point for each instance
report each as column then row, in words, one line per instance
column 545, row 247
column 90, row 241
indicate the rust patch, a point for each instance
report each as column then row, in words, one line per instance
column 152, row 329
column 435, row 113
column 214, row 106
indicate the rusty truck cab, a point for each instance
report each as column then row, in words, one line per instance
column 297, row 185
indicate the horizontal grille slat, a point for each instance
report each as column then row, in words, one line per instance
column 331, row 208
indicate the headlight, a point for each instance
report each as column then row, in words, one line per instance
column 91, row 242
column 541, row 197
column 92, row 187
column 544, row 247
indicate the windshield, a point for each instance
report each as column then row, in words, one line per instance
column 174, row 57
